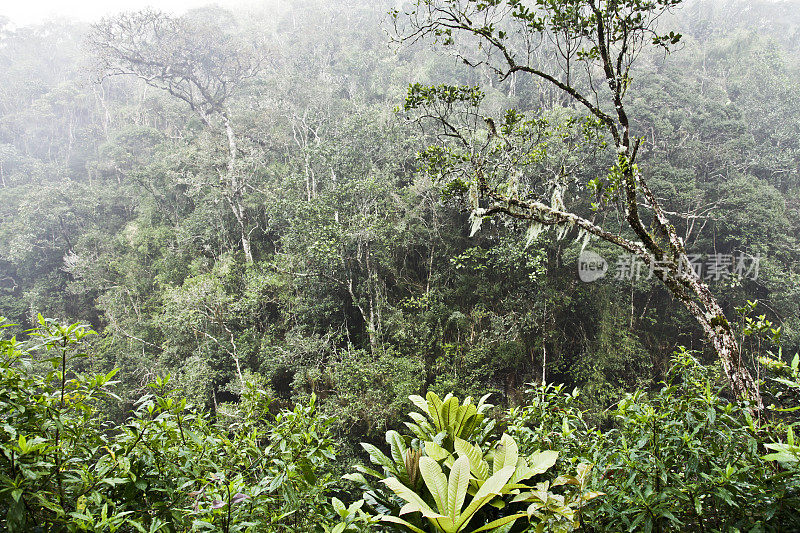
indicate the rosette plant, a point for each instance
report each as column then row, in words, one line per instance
column 454, row 475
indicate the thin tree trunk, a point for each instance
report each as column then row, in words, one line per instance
column 234, row 193
column 374, row 310
column 544, row 363
column 368, row 317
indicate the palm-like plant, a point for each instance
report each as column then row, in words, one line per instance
column 451, row 477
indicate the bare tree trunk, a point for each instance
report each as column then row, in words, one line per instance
column 248, row 253
column 234, row 194
column 374, row 310
column 544, row 363
column 544, row 347
column 307, row 170
column 235, row 354
column 368, row 317
column 333, row 180
column 371, row 329
column 685, row 284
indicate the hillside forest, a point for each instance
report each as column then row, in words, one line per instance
column 434, row 266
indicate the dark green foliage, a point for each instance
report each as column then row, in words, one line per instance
column 112, row 212
column 686, row 458
column 365, row 286
column 65, row 467
column 681, row 458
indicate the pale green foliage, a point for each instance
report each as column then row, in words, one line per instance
column 454, row 476
column 449, row 495
column 789, row 376
column 448, row 417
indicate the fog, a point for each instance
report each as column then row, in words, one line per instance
column 27, row 13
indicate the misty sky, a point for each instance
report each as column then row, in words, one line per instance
column 22, row 12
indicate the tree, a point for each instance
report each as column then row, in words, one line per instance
column 586, row 49
column 195, row 59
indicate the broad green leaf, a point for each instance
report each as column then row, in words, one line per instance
column 500, row 522
column 369, row 471
column 435, row 451
column 491, row 487
column 482, row 405
column 339, row 507
column 398, row 520
column 418, row 418
column 591, row 495
column 472, row 422
column 457, row 487
column 467, row 413
column 478, row 467
column 397, row 447
column 436, row 482
column 377, row 457
column 417, row 431
column 415, row 503
column 450, row 410
column 435, row 410
column 540, row 462
column 420, row 402
column 506, row 453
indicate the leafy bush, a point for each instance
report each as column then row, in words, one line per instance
column 786, row 453
column 682, row 458
column 64, row 467
column 687, row 459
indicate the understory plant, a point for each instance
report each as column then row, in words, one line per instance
column 454, row 474
column 685, row 458
column 168, row 467
column 787, row 376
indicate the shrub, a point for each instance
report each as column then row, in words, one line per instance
column 686, row 459
column 64, row 467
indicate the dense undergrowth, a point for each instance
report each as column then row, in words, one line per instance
column 680, row 458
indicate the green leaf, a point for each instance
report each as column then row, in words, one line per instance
column 478, row 467
column 378, row 458
column 417, row 431
column 398, row 448
column 415, row 502
column 397, row 520
column 436, row 482
column 420, row 402
column 540, row 462
column 491, row 487
column 435, row 451
column 339, row 507
column 500, row 522
column 449, row 414
column 457, row 486
column 435, row 410
column 506, row 453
